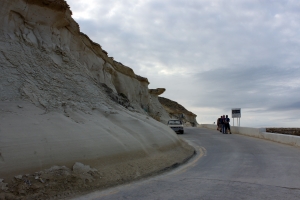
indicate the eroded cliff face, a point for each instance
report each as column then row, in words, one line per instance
column 156, row 110
column 177, row 111
column 64, row 100
column 43, row 48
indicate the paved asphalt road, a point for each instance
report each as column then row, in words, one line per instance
column 225, row 167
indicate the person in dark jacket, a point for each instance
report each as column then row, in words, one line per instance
column 226, row 124
column 223, row 124
column 219, row 128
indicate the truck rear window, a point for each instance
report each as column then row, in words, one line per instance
column 174, row 122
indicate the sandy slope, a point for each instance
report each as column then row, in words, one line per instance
column 28, row 133
column 121, row 145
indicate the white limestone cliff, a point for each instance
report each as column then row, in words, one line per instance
column 156, row 110
column 52, row 35
column 63, row 100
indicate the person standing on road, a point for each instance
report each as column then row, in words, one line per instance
column 222, row 124
column 220, row 121
column 218, row 124
column 227, row 125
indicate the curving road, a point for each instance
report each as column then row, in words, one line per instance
column 225, row 167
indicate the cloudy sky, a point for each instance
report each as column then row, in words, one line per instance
column 210, row 55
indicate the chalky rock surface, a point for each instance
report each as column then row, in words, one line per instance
column 63, row 101
column 157, row 111
column 177, row 111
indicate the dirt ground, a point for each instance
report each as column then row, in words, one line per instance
column 60, row 182
column 286, row 131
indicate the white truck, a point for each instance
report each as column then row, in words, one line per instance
column 176, row 125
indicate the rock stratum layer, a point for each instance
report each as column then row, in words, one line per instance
column 286, row 131
column 177, row 111
column 63, row 100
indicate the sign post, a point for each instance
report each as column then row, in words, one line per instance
column 236, row 113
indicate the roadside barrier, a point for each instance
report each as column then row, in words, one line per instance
column 260, row 133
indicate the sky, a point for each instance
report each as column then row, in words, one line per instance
column 210, row 55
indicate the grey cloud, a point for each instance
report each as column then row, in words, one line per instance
column 203, row 36
column 249, row 87
column 294, row 106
